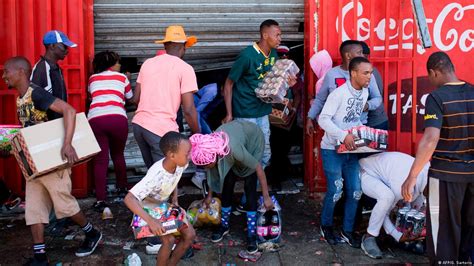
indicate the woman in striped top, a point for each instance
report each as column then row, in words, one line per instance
column 108, row 89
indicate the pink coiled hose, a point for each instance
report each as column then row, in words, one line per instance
column 206, row 148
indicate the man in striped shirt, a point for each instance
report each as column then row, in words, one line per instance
column 449, row 140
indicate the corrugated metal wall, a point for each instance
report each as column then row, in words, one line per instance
column 223, row 27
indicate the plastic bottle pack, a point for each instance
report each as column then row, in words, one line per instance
column 269, row 222
column 199, row 215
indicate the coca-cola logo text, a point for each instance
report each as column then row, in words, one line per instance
column 445, row 35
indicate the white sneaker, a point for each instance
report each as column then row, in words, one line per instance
column 198, row 178
column 153, row 249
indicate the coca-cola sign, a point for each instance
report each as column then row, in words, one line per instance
column 390, row 32
column 450, row 28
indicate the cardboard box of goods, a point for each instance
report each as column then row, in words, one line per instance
column 281, row 116
column 38, row 148
column 172, row 219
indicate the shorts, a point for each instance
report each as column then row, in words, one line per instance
column 52, row 190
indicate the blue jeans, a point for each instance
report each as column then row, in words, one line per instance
column 201, row 99
column 264, row 124
column 336, row 166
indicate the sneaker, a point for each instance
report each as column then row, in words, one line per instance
column 328, row 234
column 198, row 179
column 99, row 206
column 252, row 246
column 12, row 203
column 89, row 245
column 350, row 239
column 219, row 234
column 241, row 208
column 370, row 247
column 153, row 245
column 152, row 249
column 34, row 262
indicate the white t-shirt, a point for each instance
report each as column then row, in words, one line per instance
column 158, row 184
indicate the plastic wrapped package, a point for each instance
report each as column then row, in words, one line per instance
column 200, row 215
column 367, row 140
column 273, row 88
column 171, row 217
column 7, row 132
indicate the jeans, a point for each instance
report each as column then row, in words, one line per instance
column 149, row 144
column 336, row 166
column 264, row 124
column 202, row 98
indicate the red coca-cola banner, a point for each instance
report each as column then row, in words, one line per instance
column 389, row 28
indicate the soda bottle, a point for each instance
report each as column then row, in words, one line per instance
column 191, row 215
column 268, row 224
column 262, row 229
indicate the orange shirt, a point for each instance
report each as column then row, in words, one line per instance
column 163, row 80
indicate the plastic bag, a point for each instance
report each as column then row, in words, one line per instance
column 199, row 215
column 7, row 132
column 133, row 260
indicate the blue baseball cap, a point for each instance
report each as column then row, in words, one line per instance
column 55, row 36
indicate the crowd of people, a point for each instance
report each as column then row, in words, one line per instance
column 348, row 95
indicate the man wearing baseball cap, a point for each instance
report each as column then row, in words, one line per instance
column 46, row 73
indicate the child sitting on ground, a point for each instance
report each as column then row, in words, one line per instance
column 156, row 187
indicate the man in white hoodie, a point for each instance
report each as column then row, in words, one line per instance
column 382, row 176
column 341, row 112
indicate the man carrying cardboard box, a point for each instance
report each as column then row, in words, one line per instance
column 53, row 189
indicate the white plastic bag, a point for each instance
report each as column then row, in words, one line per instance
column 133, row 260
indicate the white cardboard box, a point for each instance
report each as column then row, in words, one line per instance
column 38, row 148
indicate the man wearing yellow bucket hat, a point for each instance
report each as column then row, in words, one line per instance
column 176, row 34
column 164, row 83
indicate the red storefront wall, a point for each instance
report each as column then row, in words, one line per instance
column 23, row 24
column 388, row 28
